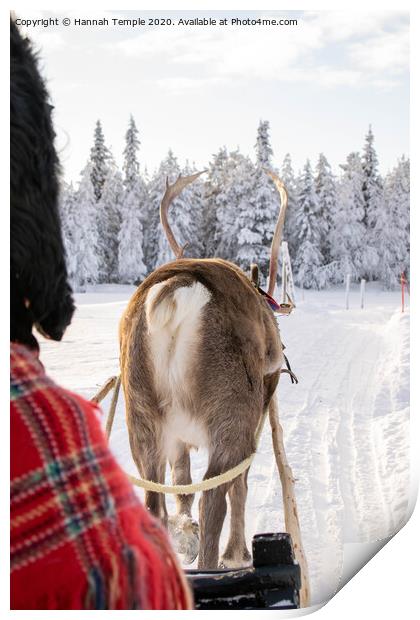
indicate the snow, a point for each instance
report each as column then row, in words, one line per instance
column 345, row 423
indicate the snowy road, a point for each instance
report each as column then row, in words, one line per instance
column 345, row 423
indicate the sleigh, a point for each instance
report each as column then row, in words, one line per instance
column 273, row 581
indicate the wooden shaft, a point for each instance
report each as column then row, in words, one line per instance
column 111, row 415
column 289, row 501
column 107, row 386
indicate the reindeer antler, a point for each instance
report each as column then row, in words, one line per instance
column 278, row 232
column 172, row 191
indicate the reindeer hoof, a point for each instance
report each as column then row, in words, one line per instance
column 184, row 534
column 242, row 560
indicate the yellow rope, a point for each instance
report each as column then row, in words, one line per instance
column 208, row 483
column 184, row 489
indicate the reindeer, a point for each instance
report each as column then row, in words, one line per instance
column 200, row 356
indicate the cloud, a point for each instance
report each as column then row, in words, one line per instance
column 331, row 48
column 345, row 25
column 388, row 52
column 180, row 84
column 49, row 41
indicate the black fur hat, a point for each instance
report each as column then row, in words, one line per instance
column 40, row 294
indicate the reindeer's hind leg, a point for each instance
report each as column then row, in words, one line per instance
column 181, row 474
column 212, row 508
column 183, row 529
column 236, row 553
column 230, row 445
column 148, row 455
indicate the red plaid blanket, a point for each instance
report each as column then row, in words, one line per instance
column 80, row 539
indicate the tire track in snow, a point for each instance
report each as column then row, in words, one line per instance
column 310, row 438
column 314, row 464
column 365, row 508
column 390, row 421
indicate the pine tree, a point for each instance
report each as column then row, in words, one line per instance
column 263, row 146
column 110, row 209
column 85, row 247
column 308, row 261
column 257, row 222
column 65, row 201
column 325, row 188
column 131, row 165
column 403, row 190
column 99, row 160
column 372, row 183
column 392, row 227
column 349, row 252
column 234, row 205
column 214, row 186
column 68, row 209
column 131, row 266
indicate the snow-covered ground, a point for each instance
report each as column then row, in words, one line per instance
column 345, row 423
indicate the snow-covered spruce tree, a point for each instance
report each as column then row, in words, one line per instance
column 373, row 196
column 348, row 232
column 234, row 205
column 131, row 260
column 325, row 187
column 109, row 224
column 263, row 146
column 131, row 267
column 290, row 232
column 215, row 182
column 403, row 189
column 257, row 223
column 85, row 229
column 392, row 227
column 99, row 160
column 68, row 208
column 65, row 205
column 310, row 227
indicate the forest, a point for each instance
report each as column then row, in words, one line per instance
column 355, row 222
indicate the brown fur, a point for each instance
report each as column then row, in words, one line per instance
column 229, row 390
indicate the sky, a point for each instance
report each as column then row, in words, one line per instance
column 194, row 89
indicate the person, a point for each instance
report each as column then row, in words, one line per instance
column 80, row 538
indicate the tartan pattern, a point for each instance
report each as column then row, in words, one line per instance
column 80, row 539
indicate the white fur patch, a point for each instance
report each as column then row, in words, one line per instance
column 274, row 365
column 173, row 328
column 181, row 426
